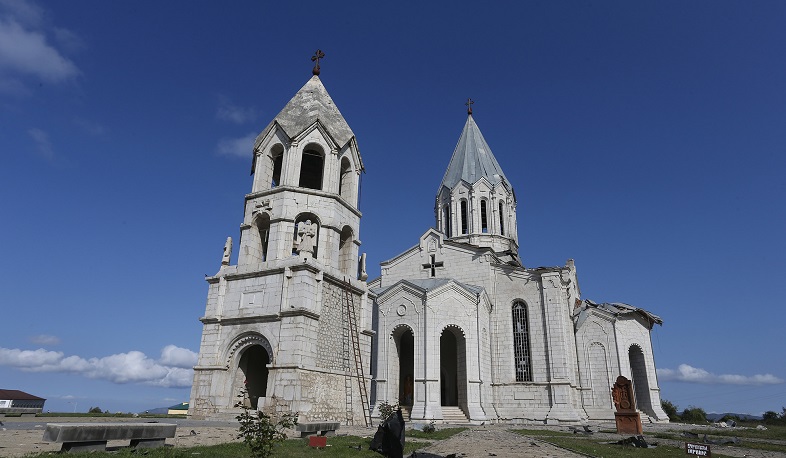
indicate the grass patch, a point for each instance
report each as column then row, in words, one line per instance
column 758, row 444
column 339, row 447
column 437, row 435
column 600, row 449
column 775, row 432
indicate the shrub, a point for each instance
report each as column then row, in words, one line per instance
column 261, row 432
column 95, row 410
column 694, row 415
column 386, row 410
column 670, row 409
column 429, row 428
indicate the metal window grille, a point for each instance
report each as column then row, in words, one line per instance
column 521, row 351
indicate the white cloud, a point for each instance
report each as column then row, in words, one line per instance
column 92, row 128
column 690, row 374
column 27, row 53
column 68, row 39
column 227, row 111
column 239, row 147
column 47, row 340
column 131, row 367
column 42, row 143
column 24, row 11
column 173, row 355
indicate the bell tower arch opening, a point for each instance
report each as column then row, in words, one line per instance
column 312, row 165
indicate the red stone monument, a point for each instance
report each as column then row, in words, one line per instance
column 627, row 418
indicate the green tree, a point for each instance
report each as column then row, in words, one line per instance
column 95, row 410
column 259, row 431
column 770, row 416
column 670, row 409
column 694, row 415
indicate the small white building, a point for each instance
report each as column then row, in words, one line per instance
column 15, row 401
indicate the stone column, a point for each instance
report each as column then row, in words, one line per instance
column 560, row 366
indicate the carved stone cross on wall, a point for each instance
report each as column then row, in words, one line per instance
column 433, row 265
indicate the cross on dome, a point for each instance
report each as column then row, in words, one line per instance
column 315, row 58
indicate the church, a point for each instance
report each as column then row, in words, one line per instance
column 456, row 328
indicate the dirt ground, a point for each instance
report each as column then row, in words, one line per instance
column 22, row 436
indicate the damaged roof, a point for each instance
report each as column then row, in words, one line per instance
column 472, row 160
column 616, row 309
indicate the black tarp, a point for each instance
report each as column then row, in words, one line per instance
column 389, row 439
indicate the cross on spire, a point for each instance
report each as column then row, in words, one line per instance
column 315, row 58
column 469, row 105
column 433, row 265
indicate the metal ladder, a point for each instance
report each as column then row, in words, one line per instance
column 351, row 336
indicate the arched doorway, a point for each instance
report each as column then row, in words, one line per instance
column 253, row 365
column 452, row 368
column 638, row 372
column 405, row 346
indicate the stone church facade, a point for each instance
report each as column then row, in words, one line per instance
column 456, row 328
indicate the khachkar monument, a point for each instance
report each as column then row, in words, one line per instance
column 290, row 322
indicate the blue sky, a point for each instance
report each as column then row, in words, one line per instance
column 645, row 140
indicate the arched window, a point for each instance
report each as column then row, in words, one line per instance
column 464, row 217
column 484, row 224
column 446, row 219
column 345, row 182
column 502, row 218
column 345, row 259
column 311, row 167
column 521, row 350
column 305, row 238
column 277, row 159
column 262, row 223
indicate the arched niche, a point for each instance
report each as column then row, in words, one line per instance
column 305, row 238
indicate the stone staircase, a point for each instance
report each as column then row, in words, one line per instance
column 452, row 414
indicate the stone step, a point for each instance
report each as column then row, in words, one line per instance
column 452, row 414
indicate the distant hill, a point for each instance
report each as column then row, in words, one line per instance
column 741, row 416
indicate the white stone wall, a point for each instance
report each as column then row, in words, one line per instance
column 552, row 345
column 633, row 331
column 598, row 364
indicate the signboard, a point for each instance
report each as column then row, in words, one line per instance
column 697, row 449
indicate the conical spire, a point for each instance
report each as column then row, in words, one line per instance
column 311, row 103
column 472, row 160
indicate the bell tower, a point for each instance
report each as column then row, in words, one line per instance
column 475, row 202
column 289, row 323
